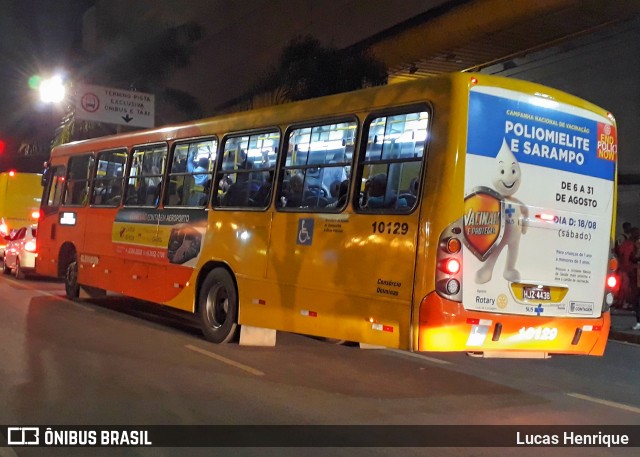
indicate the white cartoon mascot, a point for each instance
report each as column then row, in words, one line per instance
column 506, row 182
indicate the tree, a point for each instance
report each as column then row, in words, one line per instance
column 306, row 69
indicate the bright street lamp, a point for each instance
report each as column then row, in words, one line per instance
column 52, row 90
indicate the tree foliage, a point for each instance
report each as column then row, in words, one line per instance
column 306, row 69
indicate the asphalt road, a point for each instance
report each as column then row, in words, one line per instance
column 119, row 361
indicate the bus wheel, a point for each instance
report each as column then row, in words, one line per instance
column 5, row 269
column 218, row 306
column 71, row 286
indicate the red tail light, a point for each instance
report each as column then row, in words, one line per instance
column 451, row 266
column 35, row 214
column 612, row 281
column 449, row 263
column 30, row 246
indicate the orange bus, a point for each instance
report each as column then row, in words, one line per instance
column 458, row 213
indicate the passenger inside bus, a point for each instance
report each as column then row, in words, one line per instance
column 376, row 195
column 261, row 197
column 114, row 194
column 341, row 197
column 204, row 199
column 333, row 174
column 201, row 167
column 374, row 191
column 174, row 194
column 295, row 192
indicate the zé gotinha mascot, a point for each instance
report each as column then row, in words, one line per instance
column 506, row 181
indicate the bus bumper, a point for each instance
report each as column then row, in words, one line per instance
column 445, row 325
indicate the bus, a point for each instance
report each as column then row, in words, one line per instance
column 464, row 212
column 20, row 195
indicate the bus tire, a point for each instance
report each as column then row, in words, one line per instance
column 71, row 286
column 5, row 269
column 218, row 307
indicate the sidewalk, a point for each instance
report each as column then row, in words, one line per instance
column 621, row 323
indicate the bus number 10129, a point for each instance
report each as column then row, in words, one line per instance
column 390, row 228
column 539, row 333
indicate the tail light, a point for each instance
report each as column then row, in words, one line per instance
column 35, row 214
column 612, row 283
column 449, row 261
column 452, row 266
column 30, row 246
column 4, row 230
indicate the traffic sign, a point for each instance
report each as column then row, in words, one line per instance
column 115, row 106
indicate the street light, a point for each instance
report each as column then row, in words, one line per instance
column 52, row 90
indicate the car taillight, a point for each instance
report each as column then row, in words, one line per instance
column 4, row 230
column 35, row 214
column 30, row 246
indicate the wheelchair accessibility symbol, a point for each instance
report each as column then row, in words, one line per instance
column 305, row 232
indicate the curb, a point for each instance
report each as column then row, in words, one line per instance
column 628, row 337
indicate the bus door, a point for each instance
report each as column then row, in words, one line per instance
column 46, row 262
column 240, row 229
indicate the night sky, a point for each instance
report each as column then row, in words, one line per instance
column 36, row 37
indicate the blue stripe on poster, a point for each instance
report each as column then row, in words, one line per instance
column 536, row 135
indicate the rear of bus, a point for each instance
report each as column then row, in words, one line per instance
column 533, row 234
column 20, row 195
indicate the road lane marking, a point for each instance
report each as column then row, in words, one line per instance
column 613, row 404
column 85, row 307
column 418, row 356
column 219, row 358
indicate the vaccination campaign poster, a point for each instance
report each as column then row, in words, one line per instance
column 538, row 205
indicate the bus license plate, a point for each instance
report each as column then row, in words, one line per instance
column 537, row 293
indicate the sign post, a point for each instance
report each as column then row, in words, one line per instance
column 115, row 106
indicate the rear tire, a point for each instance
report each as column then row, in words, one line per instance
column 218, row 307
column 71, row 286
column 5, row 269
column 18, row 271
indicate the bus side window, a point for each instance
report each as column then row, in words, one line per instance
column 190, row 173
column 108, row 180
column 78, row 180
column 316, row 172
column 392, row 166
column 245, row 176
column 146, row 175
